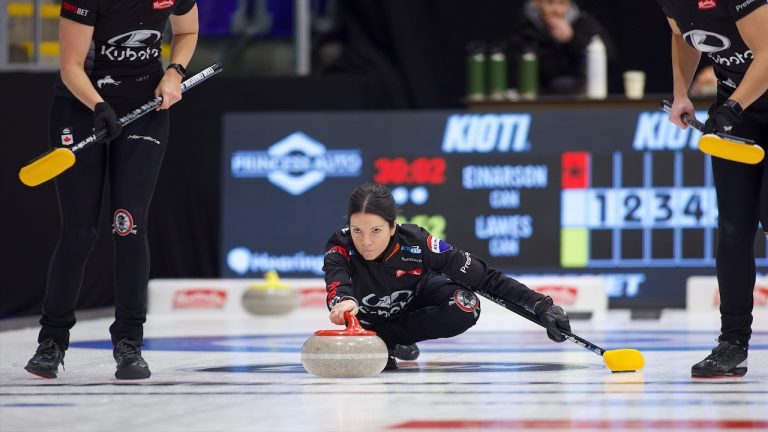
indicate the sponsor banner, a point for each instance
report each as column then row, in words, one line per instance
column 576, row 294
column 221, row 296
column 703, row 294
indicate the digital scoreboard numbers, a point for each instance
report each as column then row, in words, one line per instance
column 640, row 224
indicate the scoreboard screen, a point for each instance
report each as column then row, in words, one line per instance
column 621, row 193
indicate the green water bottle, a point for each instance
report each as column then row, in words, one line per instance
column 497, row 73
column 476, row 71
column 528, row 74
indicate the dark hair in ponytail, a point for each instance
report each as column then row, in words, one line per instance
column 374, row 199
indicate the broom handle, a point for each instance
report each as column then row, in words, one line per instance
column 666, row 106
column 149, row 106
column 533, row 318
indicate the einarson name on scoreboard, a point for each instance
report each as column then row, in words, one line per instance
column 504, row 176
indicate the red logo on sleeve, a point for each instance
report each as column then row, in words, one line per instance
column 707, row 4
column 162, row 4
column 74, row 9
column 339, row 250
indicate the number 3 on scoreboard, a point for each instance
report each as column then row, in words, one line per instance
column 652, row 208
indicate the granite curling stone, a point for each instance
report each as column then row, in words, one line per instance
column 273, row 297
column 350, row 353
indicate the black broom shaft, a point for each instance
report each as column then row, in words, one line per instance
column 533, row 318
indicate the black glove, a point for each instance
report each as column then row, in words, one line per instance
column 104, row 117
column 723, row 117
column 552, row 317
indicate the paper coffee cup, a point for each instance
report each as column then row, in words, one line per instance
column 634, row 84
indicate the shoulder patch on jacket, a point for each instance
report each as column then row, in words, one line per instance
column 436, row 245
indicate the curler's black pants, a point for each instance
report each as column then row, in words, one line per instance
column 131, row 162
column 442, row 309
column 742, row 202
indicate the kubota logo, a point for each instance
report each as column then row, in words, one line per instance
column 136, row 38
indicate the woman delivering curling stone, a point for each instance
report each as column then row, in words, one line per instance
column 110, row 63
column 732, row 34
column 409, row 286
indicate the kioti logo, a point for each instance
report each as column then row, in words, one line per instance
column 162, row 4
column 199, row 298
column 707, row 4
column 561, row 295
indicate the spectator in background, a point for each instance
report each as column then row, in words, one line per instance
column 559, row 32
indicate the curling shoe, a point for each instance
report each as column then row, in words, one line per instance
column 406, row 352
column 130, row 364
column 727, row 359
column 391, row 364
column 45, row 362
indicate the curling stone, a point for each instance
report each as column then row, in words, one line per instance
column 273, row 297
column 351, row 353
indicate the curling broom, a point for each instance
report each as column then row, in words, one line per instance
column 56, row 161
column 722, row 145
column 618, row 360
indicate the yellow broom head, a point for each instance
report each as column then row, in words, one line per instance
column 714, row 145
column 623, row 360
column 46, row 166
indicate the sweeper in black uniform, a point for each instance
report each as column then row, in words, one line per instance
column 410, row 286
column 110, row 63
column 732, row 35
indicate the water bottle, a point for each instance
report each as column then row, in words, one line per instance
column 597, row 69
column 476, row 71
column 528, row 74
column 497, row 73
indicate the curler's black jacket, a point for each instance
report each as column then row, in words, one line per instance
column 383, row 288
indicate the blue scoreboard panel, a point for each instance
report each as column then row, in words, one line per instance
column 675, row 224
column 621, row 193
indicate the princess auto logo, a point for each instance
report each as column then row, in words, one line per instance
column 296, row 163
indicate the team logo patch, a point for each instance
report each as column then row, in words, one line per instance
column 122, row 223
column 707, row 4
column 400, row 273
column 466, row 300
column 437, row 246
column 162, row 4
column 66, row 136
